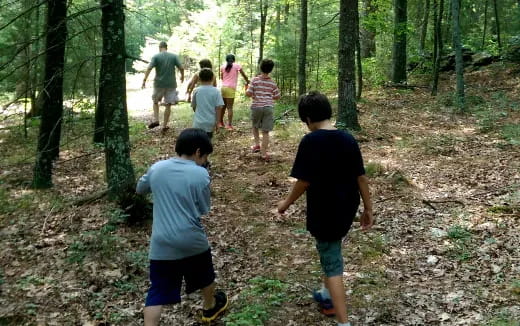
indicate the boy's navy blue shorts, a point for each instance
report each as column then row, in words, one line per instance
column 166, row 277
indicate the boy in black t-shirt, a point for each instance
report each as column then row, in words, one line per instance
column 329, row 167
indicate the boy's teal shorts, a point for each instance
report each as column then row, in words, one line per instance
column 331, row 258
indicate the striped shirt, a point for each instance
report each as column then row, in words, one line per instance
column 264, row 91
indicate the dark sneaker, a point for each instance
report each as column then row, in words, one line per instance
column 221, row 303
column 153, row 125
column 326, row 306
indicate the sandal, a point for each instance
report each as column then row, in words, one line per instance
column 255, row 148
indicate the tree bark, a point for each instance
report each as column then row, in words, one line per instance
column 52, row 111
column 264, row 5
column 424, row 29
column 368, row 36
column 359, row 65
column 485, row 24
column 302, row 56
column 438, row 12
column 347, row 110
column 497, row 23
column 457, row 45
column 120, row 173
column 399, row 48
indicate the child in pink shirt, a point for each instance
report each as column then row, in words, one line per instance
column 229, row 75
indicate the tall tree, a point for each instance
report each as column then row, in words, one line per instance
column 497, row 24
column 52, row 110
column 120, row 173
column 359, row 66
column 264, row 5
column 347, row 111
column 438, row 11
column 457, row 45
column 367, row 34
column 485, row 24
column 302, row 55
column 399, row 48
column 424, row 27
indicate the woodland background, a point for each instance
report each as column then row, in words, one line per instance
column 430, row 88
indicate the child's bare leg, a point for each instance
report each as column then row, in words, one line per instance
column 152, row 315
column 167, row 110
column 156, row 112
column 265, row 142
column 220, row 114
column 256, row 135
column 231, row 101
column 337, row 293
column 208, row 296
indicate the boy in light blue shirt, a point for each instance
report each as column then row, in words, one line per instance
column 179, row 247
column 205, row 101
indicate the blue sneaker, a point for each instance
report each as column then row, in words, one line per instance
column 326, row 306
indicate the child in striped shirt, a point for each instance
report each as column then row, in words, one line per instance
column 264, row 92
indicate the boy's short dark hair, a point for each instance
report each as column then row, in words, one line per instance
column 206, row 75
column 266, row 65
column 163, row 45
column 314, row 106
column 192, row 138
column 205, row 63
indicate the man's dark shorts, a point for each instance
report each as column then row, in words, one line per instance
column 331, row 258
column 166, row 277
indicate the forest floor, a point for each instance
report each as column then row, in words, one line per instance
column 444, row 251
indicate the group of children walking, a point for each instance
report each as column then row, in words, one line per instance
column 328, row 167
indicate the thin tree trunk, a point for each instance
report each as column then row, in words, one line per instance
column 438, row 12
column 263, row 19
column 457, row 45
column 399, row 48
column 52, row 111
column 347, row 110
column 497, row 22
column 302, row 57
column 120, row 173
column 485, row 24
column 424, row 29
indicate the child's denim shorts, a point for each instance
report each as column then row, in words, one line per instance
column 331, row 258
column 166, row 277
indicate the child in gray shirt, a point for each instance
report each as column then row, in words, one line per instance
column 205, row 102
column 179, row 248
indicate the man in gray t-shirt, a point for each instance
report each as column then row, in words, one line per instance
column 165, row 84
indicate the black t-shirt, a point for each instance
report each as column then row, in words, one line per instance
column 330, row 160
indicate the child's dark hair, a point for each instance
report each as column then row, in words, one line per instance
column 206, row 75
column 314, row 106
column 230, row 58
column 192, row 138
column 266, row 65
column 205, row 63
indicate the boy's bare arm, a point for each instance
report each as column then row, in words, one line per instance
column 367, row 218
column 297, row 190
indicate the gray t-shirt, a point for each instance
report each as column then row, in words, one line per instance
column 205, row 100
column 181, row 194
column 164, row 64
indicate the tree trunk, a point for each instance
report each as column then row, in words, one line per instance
column 263, row 19
column 368, row 36
column 497, row 23
column 457, row 45
column 347, row 111
column 52, row 110
column 399, row 48
column 302, row 56
column 438, row 12
column 359, row 68
column 120, row 173
column 485, row 24
column 99, row 114
column 424, row 29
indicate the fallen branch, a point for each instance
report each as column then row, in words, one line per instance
column 90, row 198
column 431, row 202
column 406, row 86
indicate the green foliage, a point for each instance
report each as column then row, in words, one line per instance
column 257, row 302
column 511, row 133
column 372, row 72
column 461, row 238
column 94, row 244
